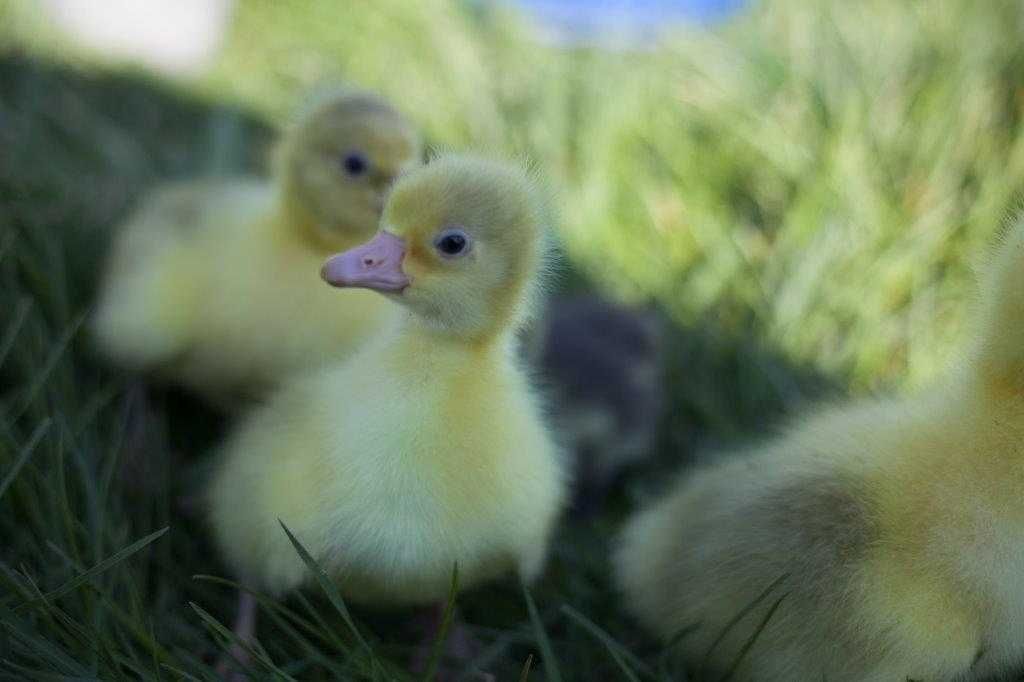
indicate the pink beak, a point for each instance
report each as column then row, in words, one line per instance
column 376, row 265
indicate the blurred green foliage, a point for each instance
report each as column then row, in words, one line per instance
column 816, row 172
column 819, row 173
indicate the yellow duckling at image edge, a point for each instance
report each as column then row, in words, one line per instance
column 880, row 541
column 212, row 284
column 427, row 448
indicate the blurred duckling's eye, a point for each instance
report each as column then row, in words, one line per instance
column 354, row 163
column 452, row 243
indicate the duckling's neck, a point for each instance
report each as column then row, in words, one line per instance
column 417, row 337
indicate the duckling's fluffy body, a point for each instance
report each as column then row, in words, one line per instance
column 602, row 364
column 888, row 536
column 440, row 459
column 232, row 305
column 424, row 450
column 213, row 284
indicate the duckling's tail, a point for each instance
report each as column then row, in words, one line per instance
column 998, row 357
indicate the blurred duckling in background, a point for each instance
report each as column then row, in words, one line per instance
column 602, row 364
column 213, row 284
column 427, row 448
column 879, row 541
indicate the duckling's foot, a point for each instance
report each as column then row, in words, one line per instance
column 460, row 647
column 237, row 657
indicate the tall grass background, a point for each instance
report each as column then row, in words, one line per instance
column 804, row 190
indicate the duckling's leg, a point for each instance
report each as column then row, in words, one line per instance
column 245, row 630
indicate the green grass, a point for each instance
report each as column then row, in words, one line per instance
column 803, row 191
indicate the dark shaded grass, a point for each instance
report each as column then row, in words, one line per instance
column 98, row 560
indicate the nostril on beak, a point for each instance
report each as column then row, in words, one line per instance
column 368, row 261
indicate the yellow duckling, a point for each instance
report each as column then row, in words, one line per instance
column 214, row 285
column 880, row 541
column 426, row 449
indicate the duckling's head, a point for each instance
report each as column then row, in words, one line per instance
column 460, row 245
column 338, row 162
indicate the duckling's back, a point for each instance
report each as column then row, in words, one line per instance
column 793, row 562
column 155, row 275
column 210, row 287
column 266, row 314
column 873, row 542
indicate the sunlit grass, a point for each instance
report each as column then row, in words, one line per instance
column 821, row 174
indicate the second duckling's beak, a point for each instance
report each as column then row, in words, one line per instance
column 376, row 265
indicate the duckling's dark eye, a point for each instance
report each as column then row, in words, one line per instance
column 452, row 243
column 354, row 163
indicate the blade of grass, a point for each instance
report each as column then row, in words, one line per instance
column 740, row 616
column 26, row 673
column 310, row 651
column 42, row 375
column 144, row 637
column 748, row 645
column 331, row 590
column 92, row 408
column 524, row 675
column 492, row 653
column 446, row 621
column 22, row 458
column 14, row 327
column 6, row 243
column 326, row 632
column 674, row 640
column 181, row 673
column 87, row 639
column 279, row 611
column 43, row 649
column 74, row 533
column 681, row 634
column 12, row 581
column 231, row 638
column 547, row 653
column 615, row 650
column 153, row 653
column 99, row 568
column 70, row 630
